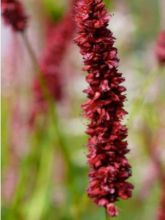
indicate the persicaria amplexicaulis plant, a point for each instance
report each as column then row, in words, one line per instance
column 13, row 14
column 107, row 145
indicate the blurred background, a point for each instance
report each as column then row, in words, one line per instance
column 44, row 169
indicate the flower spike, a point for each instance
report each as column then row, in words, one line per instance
column 107, row 145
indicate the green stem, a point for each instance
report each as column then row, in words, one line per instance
column 107, row 217
column 42, row 185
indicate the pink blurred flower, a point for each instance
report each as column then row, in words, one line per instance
column 14, row 15
column 160, row 48
column 109, row 168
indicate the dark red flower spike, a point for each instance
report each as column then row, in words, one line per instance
column 109, row 167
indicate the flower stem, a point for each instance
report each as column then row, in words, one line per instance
column 29, row 49
column 106, row 215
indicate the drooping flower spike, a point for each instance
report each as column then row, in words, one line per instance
column 107, row 145
column 13, row 14
column 57, row 41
